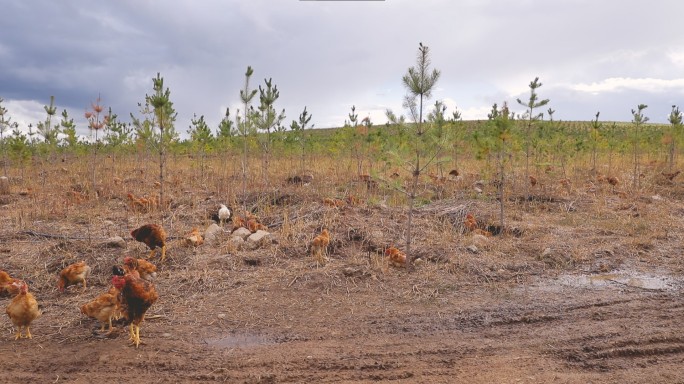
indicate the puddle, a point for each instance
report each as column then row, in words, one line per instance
column 240, row 341
column 615, row 279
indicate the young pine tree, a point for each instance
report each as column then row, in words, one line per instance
column 298, row 131
column 674, row 135
column 267, row 119
column 638, row 120
column 531, row 105
column 164, row 118
column 419, row 82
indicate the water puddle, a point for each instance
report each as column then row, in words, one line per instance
column 615, row 279
column 240, row 341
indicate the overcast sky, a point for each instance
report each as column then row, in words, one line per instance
column 590, row 55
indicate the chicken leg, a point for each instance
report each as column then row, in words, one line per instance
column 163, row 253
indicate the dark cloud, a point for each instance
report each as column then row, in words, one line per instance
column 331, row 55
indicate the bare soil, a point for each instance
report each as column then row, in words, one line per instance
column 584, row 287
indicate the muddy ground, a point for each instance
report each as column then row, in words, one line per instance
column 584, row 291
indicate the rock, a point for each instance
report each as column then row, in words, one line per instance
column 480, row 240
column 221, row 315
column 260, row 238
column 242, row 233
column 115, row 242
column 472, row 249
column 211, row 233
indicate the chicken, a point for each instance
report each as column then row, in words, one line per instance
column 319, row 246
column 23, row 309
column 153, row 236
column 533, row 180
column 224, row 214
column 136, row 297
column 337, row 203
column 5, row 284
column 672, row 175
column 612, row 180
column 102, row 308
column 478, row 231
column 143, row 268
column 141, row 204
column 195, row 238
column 254, row 225
column 396, row 257
column 470, row 222
column 72, row 275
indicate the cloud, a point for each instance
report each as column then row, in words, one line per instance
column 620, row 84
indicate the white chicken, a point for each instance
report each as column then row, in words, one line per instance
column 224, row 214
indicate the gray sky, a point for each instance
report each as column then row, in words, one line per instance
column 607, row 55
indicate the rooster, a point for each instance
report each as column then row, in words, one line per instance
column 72, row 275
column 319, row 246
column 153, row 236
column 136, row 297
column 23, row 308
column 143, row 268
column 103, row 308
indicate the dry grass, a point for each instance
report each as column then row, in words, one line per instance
column 589, row 227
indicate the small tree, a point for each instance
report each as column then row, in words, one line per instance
column 595, row 136
column 531, row 104
column 675, row 133
column 95, row 123
column 5, row 124
column 45, row 128
column 69, row 130
column 164, row 118
column 201, row 138
column 298, row 131
column 638, row 120
column 419, row 82
column 245, row 128
column 118, row 134
column 266, row 119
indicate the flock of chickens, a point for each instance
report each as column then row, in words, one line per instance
column 130, row 296
column 132, row 292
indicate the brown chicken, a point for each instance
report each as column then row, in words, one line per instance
column 141, row 204
column 254, row 225
column 136, row 297
column 23, row 309
column 470, row 222
column 671, row 176
column 5, row 284
column 103, row 308
column 319, row 246
column 72, row 275
column 142, row 267
column 195, row 238
column 396, row 257
column 153, row 236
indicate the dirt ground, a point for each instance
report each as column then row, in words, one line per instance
column 587, row 289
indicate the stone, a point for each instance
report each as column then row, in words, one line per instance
column 211, row 233
column 115, row 242
column 242, row 232
column 259, row 237
column 472, row 249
